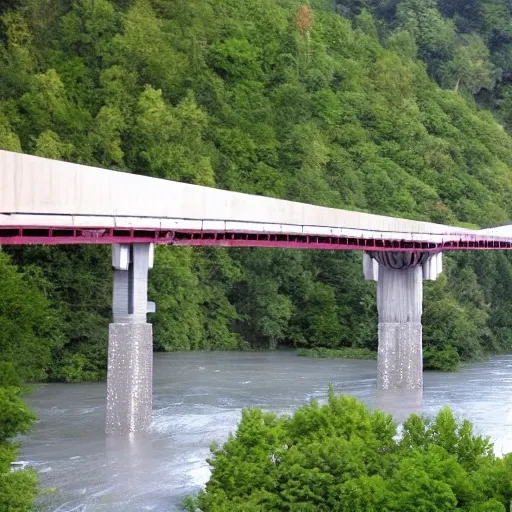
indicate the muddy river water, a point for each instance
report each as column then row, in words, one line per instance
column 198, row 398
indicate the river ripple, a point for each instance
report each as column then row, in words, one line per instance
column 198, row 398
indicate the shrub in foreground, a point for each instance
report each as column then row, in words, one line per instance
column 342, row 457
column 17, row 489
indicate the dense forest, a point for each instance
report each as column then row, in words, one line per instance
column 398, row 107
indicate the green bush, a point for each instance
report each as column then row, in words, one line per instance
column 17, row 489
column 8, row 376
column 342, row 457
column 344, row 352
column 445, row 360
column 76, row 368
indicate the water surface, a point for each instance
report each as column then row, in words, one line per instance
column 198, row 398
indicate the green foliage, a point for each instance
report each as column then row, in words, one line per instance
column 434, row 35
column 8, row 376
column 444, row 360
column 340, row 456
column 471, row 66
column 17, row 489
column 16, row 417
column 76, row 368
column 30, row 334
column 345, row 353
column 29, row 328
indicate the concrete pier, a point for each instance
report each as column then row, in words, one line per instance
column 130, row 343
column 400, row 303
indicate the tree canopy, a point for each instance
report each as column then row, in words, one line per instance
column 340, row 456
column 19, row 488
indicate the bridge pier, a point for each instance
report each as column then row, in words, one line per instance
column 399, row 277
column 130, row 342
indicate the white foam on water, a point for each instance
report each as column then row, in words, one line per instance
column 215, row 420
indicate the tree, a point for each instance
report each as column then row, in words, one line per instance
column 16, row 55
column 30, row 329
column 340, row 456
column 264, row 310
column 471, row 68
column 17, row 489
column 167, row 142
column 145, row 47
column 89, row 27
column 433, row 34
column 176, row 291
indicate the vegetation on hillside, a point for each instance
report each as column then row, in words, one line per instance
column 467, row 45
column 340, row 456
column 273, row 97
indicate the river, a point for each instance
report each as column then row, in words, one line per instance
column 198, row 398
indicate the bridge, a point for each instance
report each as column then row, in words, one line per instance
column 46, row 201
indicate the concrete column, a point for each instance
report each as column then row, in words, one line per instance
column 400, row 302
column 120, row 296
column 130, row 344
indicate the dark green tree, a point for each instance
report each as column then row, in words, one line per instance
column 340, row 456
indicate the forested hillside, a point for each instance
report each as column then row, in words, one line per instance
column 467, row 45
column 272, row 97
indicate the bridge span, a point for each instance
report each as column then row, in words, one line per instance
column 46, row 201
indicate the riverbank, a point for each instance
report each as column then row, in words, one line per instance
column 446, row 360
column 344, row 352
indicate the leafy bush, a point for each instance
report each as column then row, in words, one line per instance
column 17, row 489
column 29, row 327
column 75, row 368
column 445, row 360
column 344, row 352
column 342, row 457
column 8, row 376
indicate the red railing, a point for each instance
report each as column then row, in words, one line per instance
column 64, row 236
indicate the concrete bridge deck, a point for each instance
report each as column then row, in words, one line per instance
column 45, row 201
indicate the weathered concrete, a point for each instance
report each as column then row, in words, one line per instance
column 130, row 344
column 401, row 403
column 120, row 296
column 130, row 376
column 399, row 304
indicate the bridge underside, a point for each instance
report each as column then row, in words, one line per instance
column 23, row 235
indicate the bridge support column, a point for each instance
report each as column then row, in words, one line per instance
column 399, row 302
column 130, row 342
